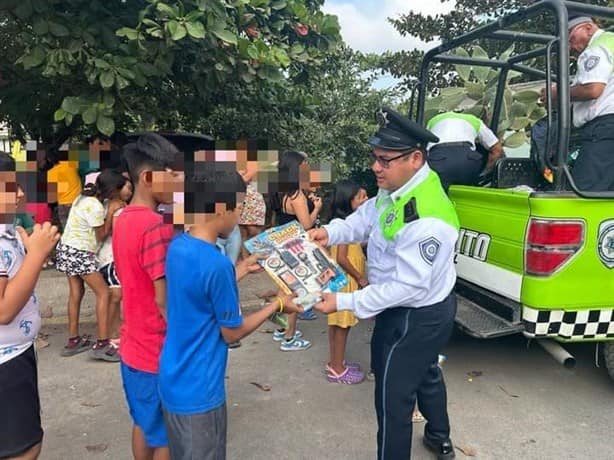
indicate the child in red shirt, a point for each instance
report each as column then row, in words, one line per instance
column 140, row 240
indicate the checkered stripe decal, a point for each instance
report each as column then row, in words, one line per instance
column 585, row 324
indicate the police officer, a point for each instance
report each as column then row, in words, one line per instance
column 454, row 157
column 592, row 96
column 411, row 228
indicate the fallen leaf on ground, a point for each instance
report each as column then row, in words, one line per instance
column 474, row 374
column 97, row 447
column 262, row 386
column 508, row 393
column 41, row 343
column 467, row 451
column 266, row 331
column 89, row 404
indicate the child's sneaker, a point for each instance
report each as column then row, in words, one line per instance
column 76, row 345
column 279, row 335
column 349, row 376
column 295, row 344
column 105, row 352
column 308, row 315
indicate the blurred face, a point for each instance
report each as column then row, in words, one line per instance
column 11, row 194
column 230, row 219
column 226, row 220
column 126, row 192
column 164, row 184
column 359, row 199
column 304, row 175
column 580, row 35
column 393, row 169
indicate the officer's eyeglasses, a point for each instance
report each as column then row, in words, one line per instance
column 385, row 162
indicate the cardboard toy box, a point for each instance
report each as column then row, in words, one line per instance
column 297, row 264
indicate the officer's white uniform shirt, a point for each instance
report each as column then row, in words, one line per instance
column 415, row 269
column 459, row 130
column 595, row 65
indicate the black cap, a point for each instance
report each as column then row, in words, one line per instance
column 397, row 132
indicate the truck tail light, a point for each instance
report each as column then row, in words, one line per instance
column 550, row 244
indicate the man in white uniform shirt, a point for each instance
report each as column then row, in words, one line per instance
column 455, row 157
column 411, row 228
column 592, row 96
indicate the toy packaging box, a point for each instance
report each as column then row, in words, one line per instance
column 297, row 264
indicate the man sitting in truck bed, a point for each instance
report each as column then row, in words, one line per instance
column 592, row 96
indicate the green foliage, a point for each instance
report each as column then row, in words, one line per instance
column 476, row 95
column 337, row 121
column 464, row 16
column 154, row 59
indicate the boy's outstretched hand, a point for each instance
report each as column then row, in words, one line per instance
column 318, row 236
column 288, row 303
column 251, row 263
column 42, row 240
column 328, row 304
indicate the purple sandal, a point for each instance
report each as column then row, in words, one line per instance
column 349, row 376
column 350, row 365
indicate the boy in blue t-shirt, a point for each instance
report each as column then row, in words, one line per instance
column 204, row 315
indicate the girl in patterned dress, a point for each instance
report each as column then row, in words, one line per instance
column 347, row 197
column 86, row 227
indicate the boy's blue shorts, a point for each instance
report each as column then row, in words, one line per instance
column 141, row 389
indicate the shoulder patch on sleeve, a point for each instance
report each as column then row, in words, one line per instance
column 429, row 248
column 591, row 62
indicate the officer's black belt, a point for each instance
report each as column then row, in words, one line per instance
column 453, row 144
column 607, row 117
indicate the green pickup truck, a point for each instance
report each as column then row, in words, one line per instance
column 533, row 257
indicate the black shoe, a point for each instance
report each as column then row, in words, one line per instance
column 236, row 344
column 444, row 451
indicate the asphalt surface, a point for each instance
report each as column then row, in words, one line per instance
column 507, row 399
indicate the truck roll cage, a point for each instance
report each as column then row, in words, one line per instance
column 557, row 44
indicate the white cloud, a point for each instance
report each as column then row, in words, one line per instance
column 365, row 26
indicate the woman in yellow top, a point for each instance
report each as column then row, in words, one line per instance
column 347, row 197
column 65, row 176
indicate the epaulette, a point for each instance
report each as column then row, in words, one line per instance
column 410, row 211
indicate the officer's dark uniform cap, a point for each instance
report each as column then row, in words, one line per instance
column 397, row 132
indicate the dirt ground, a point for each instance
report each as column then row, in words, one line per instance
column 506, row 400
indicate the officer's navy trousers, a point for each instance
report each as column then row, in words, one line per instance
column 594, row 168
column 404, row 350
column 456, row 164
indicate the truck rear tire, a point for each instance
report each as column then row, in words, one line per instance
column 608, row 354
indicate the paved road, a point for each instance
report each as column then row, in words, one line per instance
column 506, row 401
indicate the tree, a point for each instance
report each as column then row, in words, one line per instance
column 150, row 63
column 339, row 115
column 466, row 15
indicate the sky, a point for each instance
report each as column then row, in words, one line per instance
column 364, row 24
